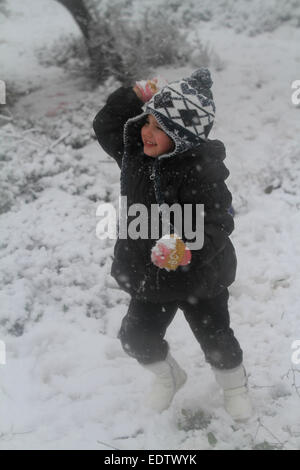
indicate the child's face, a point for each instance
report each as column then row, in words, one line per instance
column 155, row 140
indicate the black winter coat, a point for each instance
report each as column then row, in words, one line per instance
column 195, row 176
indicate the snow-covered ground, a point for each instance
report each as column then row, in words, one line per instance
column 67, row 384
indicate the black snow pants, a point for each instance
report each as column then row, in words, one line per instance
column 144, row 327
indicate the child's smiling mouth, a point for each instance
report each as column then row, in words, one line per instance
column 149, row 144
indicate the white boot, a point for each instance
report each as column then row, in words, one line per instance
column 236, row 395
column 169, row 378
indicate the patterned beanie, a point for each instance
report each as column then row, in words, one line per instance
column 185, row 110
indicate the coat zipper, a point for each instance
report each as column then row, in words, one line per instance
column 152, row 176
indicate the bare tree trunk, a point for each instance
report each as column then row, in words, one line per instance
column 88, row 27
column 80, row 14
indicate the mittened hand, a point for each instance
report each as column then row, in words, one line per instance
column 148, row 88
column 170, row 252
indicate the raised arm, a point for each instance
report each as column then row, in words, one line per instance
column 108, row 124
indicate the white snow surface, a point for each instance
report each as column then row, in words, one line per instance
column 67, row 383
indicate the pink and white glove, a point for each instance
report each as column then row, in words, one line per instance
column 170, row 252
column 148, row 88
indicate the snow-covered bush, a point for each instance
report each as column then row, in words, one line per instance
column 253, row 17
column 258, row 16
column 68, row 52
column 135, row 37
column 134, row 46
column 129, row 46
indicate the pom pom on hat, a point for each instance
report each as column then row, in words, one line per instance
column 203, row 77
column 201, row 81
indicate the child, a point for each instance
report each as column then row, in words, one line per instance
column 159, row 139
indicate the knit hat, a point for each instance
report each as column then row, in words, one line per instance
column 185, row 110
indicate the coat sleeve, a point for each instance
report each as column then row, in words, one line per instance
column 108, row 124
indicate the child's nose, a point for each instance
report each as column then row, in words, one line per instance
column 148, row 132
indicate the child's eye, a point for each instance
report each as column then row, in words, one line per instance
column 156, row 127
